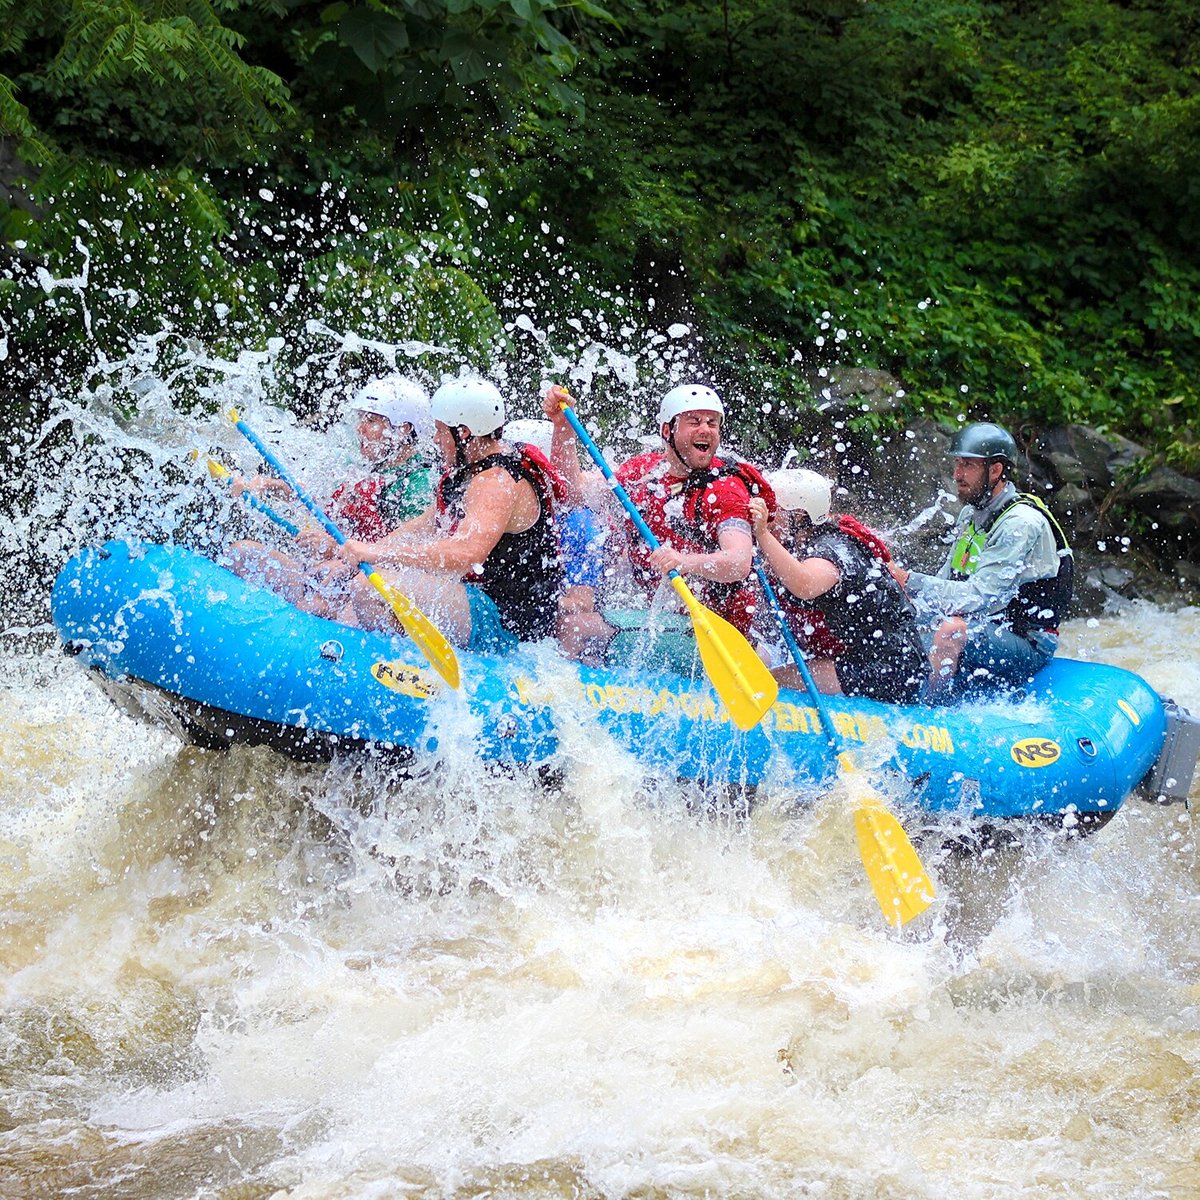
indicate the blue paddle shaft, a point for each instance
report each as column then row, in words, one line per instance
column 267, row 511
column 798, row 658
column 305, row 499
column 313, row 507
column 618, row 491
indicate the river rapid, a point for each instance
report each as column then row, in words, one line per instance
column 228, row 975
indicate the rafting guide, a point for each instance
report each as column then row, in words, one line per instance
column 997, row 601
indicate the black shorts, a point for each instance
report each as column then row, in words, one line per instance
column 898, row 681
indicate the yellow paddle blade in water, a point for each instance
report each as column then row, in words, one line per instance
column 428, row 638
column 739, row 676
column 896, row 872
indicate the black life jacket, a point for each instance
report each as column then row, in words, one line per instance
column 523, row 574
column 867, row 612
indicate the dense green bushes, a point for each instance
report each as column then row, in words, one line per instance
column 996, row 202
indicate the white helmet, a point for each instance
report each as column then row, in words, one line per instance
column 469, row 401
column 533, row 433
column 399, row 399
column 800, row 488
column 688, row 397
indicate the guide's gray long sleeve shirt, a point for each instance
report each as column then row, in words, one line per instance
column 1019, row 549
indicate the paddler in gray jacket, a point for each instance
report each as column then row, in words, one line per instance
column 997, row 600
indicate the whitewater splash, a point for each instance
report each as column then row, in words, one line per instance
column 231, row 975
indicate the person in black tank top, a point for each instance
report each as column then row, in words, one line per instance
column 483, row 560
column 523, row 573
column 833, row 572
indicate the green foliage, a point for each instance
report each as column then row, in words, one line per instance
column 997, row 202
column 142, row 80
column 392, row 287
column 139, row 251
column 108, row 104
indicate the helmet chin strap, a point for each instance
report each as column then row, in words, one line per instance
column 670, row 440
column 460, row 445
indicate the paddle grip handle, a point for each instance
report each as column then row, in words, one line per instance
column 798, row 657
column 217, row 471
column 222, row 477
column 621, row 494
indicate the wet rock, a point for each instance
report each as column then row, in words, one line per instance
column 1164, row 488
column 1081, row 455
column 908, row 473
column 854, row 390
column 1074, row 506
column 1113, row 577
column 1069, row 470
column 1188, row 573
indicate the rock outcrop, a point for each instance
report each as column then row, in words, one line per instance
column 1134, row 523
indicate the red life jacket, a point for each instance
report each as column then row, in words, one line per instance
column 687, row 514
column 357, row 505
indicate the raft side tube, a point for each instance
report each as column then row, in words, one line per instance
column 234, row 662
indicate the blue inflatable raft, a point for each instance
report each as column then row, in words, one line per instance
column 177, row 638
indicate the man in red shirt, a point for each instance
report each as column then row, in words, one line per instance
column 696, row 504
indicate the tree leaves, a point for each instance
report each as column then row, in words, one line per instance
column 376, row 37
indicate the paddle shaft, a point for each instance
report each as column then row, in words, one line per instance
column 621, row 494
column 835, row 743
column 898, row 877
column 218, row 472
column 303, row 496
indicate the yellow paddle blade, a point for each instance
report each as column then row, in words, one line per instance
column 894, row 868
column 739, row 676
column 429, row 639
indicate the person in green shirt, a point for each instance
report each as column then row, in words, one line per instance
column 394, row 424
column 395, row 427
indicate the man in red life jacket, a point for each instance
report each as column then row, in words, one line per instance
column 695, row 503
column 394, row 426
column 482, row 560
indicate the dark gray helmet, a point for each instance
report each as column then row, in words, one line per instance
column 984, row 440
